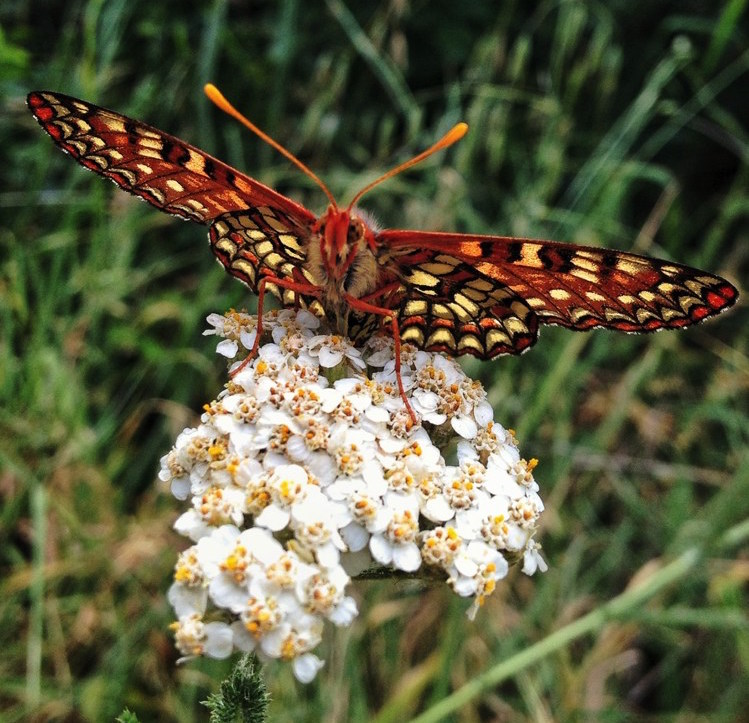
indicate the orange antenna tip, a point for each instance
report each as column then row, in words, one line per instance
column 217, row 97
column 452, row 136
column 214, row 94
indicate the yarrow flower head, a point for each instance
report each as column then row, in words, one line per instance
column 292, row 478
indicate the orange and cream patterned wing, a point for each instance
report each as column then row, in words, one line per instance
column 487, row 295
column 159, row 168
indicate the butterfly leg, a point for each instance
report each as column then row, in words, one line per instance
column 367, row 308
column 299, row 287
column 385, row 291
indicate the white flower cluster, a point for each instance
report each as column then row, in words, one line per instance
column 305, row 468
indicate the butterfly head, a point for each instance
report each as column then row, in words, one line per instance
column 344, row 235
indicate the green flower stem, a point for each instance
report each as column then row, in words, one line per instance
column 619, row 607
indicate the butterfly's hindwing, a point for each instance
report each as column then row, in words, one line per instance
column 444, row 305
column 260, row 240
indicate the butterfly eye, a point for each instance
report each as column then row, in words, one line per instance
column 355, row 231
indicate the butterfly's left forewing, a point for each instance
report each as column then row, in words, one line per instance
column 486, row 295
column 268, row 231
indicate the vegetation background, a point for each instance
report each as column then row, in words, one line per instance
column 621, row 124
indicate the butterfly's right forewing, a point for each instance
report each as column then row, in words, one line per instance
column 255, row 230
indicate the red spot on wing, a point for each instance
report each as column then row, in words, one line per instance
column 700, row 312
column 720, row 298
column 44, row 114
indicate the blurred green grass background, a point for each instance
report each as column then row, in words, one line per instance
column 621, row 124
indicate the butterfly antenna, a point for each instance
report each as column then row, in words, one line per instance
column 452, row 136
column 215, row 95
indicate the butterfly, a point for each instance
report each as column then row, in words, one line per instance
column 446, row 292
